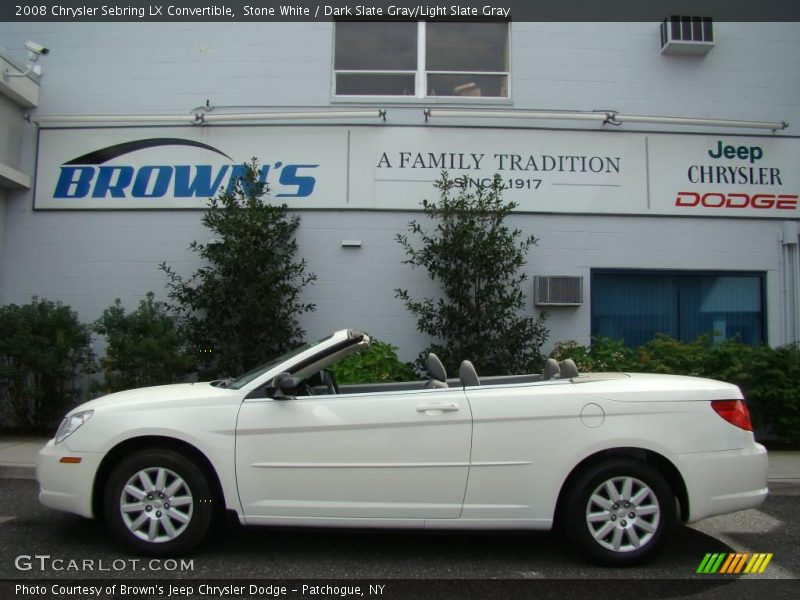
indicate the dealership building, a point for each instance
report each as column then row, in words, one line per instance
column 657, row 164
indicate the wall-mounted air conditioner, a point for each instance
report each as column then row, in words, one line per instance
column 557, row 290
column 687, row 35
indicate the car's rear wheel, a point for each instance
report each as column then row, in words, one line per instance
column 620, row 511
column 158, row 502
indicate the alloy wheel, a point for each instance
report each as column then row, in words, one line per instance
column 156, row 505
column 623, row 514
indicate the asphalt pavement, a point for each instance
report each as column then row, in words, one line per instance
column 40, row 546
column 497, row 564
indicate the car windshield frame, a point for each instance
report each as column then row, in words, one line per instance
column 251, row 376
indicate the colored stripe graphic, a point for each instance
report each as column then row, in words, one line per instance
column 729, row 562
column 738, row 562
column 716, row 565
column 743, row 558
column 734, row 562
column 758, row 563
column 703, row 563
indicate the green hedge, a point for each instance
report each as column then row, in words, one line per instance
column 43, row 350
column 144, row 347
column 768, row 377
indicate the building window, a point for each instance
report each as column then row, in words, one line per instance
column 421, row 60
column 635, row 306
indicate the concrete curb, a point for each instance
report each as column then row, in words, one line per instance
column 17, row 472
column 18, row 455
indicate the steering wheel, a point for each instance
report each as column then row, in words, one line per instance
column 329, row 380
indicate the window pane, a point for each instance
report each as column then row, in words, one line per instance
column 635, row 307
column 467, row 46
column 375, row 84
column 468, row 85
column 725, row 307
column 376, row 46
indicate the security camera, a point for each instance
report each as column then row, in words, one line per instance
column 35, row 48
column 34, row 52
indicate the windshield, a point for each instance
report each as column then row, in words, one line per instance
column 243, row 380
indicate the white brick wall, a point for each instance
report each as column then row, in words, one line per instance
column 752, row 73
column 168, row 67
column 87, row 259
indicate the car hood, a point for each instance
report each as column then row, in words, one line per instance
column 161, row 395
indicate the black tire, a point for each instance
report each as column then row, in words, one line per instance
column 627, row 529
column 165, row 529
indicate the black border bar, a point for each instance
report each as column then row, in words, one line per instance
column 315, row 10
column 707, row 587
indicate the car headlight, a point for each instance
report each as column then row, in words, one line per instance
column 71, row 423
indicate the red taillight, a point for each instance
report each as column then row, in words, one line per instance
column 734, row 412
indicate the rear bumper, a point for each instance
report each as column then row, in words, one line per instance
column 726, row 481
column 66, row 486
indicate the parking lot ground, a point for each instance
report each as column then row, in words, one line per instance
column 490, row 565
column 29, row 529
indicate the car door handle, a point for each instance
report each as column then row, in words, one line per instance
column 449, row 407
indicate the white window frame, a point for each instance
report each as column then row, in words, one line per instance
column 421, row 77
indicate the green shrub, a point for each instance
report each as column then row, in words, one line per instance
column 43, row 349
column 145, row 347
column 376, row 364
column 604, row 354
column 241, row 308
column 477, row 261
column 771, row 383
column 664, row 354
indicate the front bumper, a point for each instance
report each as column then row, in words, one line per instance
column 67, row 486
column 726, row 481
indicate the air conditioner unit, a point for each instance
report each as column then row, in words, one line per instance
column 687, row 35
column 557, row 290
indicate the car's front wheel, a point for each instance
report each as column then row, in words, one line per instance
column 619, row 512
column 158, row 502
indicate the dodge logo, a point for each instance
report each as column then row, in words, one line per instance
column 736, row 201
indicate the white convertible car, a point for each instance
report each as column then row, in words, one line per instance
column 616, row 459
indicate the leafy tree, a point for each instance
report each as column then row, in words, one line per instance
column 145, row 347
column 477, row 260
column 242, row 307
column 43, row 349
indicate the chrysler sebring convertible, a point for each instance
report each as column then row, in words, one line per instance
column 614, row 460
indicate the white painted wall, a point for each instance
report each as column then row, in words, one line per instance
column 752, row 73
column 87, row 259
column 2, row 235
column 11, row 125
column 11, row 136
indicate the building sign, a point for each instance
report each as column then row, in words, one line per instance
column 724, row 176
column 154, row 168
column 393, row 168
column 543, row 171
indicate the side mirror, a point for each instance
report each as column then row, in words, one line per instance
column 284, row 385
